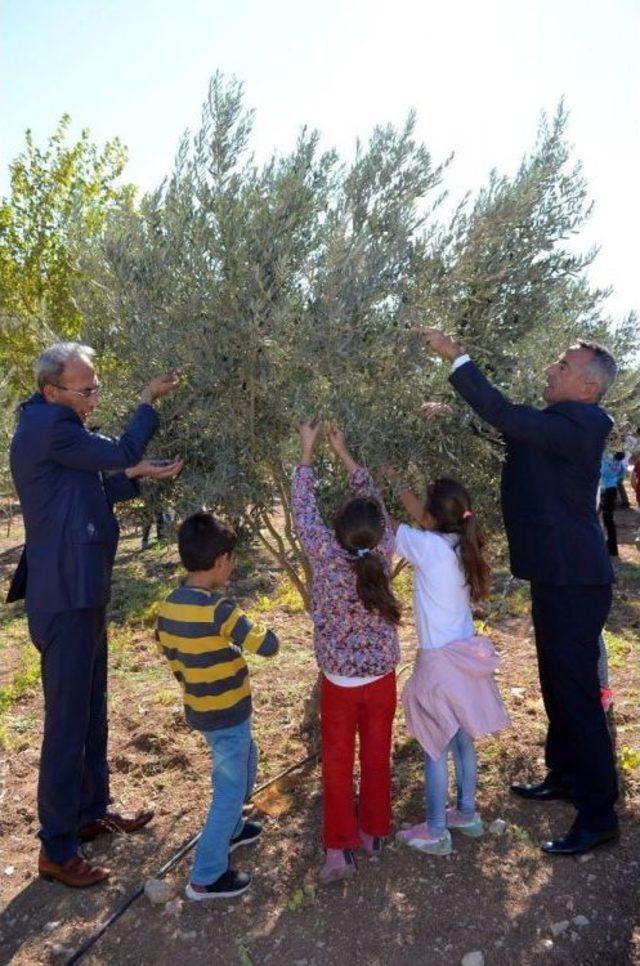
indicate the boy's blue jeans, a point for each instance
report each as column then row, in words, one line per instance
column 234, row 765
column 436, row 781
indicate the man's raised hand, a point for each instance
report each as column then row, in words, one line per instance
column 439, row 342
column 434, row 410
column 160, row 386
column 392, row 474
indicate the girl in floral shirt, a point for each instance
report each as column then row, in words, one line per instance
column 355, row 616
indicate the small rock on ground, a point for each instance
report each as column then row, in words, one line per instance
column 498, row 826
column 559, row 927
column 157, row 891
column 474, row 958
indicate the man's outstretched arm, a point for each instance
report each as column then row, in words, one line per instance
column 75, row 447
column 549, row 430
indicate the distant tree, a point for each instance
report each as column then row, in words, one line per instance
column 285, row 290
column 59, row 199
column 58, row 202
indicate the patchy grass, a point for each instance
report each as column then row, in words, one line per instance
column 14, row 635
column 285, row 597
column 518, row 600
column 628, row 759
column 403, row 585
column 23, row 682
column 509, row 598
column 618, row 648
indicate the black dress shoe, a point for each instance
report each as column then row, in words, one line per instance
column 542, row 792
column 578, row 840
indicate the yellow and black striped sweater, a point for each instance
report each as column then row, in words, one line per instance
column 203, row 635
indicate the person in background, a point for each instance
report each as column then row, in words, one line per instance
column 631, row 455
column 612, row 473
column 162, row 520
column 635, row 478
column 606, row 694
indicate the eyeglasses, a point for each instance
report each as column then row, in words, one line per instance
column 85, row 393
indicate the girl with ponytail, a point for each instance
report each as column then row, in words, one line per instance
column 355, row 617
column 451, row 697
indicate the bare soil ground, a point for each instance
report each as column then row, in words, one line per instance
column 499, row 895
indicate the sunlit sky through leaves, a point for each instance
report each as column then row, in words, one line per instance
column 477, row 73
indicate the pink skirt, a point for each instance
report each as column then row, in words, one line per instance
column 453, row 687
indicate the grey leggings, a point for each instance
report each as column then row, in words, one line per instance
column 603, row 664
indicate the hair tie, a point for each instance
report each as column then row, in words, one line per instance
column 467, row 514
column 361, row 552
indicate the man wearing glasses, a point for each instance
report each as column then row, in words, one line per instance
column 68, row 479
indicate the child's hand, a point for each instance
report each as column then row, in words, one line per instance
column 398, row 483
column 434, row 410
column 308, row 431
column 336, row 440
column 391, row 474
column 339, row 447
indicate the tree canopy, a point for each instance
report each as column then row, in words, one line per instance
column 288, row 289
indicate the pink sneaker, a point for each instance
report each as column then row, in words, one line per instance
column 338, row 864
column 421, row 837
column 606, row 698
column 370, row 844
column 473, row 827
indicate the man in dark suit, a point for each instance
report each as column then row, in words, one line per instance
column 62, row 475
column 549, row 486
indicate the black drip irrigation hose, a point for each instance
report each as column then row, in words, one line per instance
column 124, row 904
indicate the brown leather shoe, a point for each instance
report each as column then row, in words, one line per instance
column 75, row 872
column 112, row 823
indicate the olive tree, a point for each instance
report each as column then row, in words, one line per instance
column 289, row 289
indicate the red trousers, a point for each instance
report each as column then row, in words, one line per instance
column 367, row 710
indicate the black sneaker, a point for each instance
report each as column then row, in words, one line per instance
column 228, row 886
column 251, row 832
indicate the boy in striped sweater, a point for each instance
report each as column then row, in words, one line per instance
column 203, row 635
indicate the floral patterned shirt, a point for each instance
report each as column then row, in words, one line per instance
column 349, row 640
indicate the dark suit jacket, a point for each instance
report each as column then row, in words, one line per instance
column 59, row 468
column 549, row 482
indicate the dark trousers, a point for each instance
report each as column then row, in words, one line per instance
column 622, row 497
column 608, row 505
column 579, row 754
column 73, row 787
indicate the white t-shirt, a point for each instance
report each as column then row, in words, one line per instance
column 441, row 601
